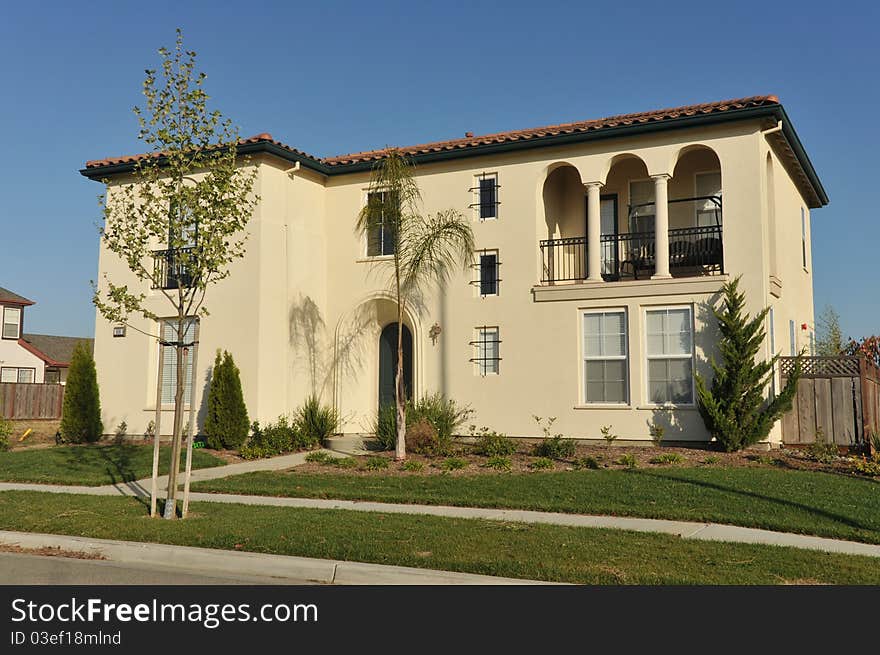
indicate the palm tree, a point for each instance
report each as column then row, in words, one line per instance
column 425, row 249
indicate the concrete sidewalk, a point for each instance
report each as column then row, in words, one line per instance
column 166, row 559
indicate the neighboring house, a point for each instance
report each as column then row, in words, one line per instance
column 601, row 246
column 31, row 358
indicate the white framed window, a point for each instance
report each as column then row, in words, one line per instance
column 487, row 351
column 11, row 322
column 707, row 185
column 485, row 192
column 169, row 359
column 487, row 272
column 17, row 374
column 381, row 236
column 605, row 357
column 669, row 337
column 792, row 338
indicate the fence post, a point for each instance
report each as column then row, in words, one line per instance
column 866, row 426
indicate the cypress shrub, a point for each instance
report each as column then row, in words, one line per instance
column 733, row 407
column 226, row 422
column 81, row 411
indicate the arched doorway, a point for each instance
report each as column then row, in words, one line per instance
column 388, row 363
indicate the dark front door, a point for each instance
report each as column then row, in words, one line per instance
column 388, row 363
column 608, row 228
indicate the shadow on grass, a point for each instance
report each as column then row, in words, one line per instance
column 117, row 462
column 816, row 511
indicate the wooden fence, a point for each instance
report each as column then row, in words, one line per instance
column 837, row 397
column 31, row 401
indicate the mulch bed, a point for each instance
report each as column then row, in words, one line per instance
column 606, row 457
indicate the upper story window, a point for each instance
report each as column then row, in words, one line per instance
column 381, row 230
column 11, row 322
column 605, row 357
column 670, row 355
column 486, row 196
column 488, row 273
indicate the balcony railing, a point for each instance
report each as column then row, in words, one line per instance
column 172, row 268
column 693, row 251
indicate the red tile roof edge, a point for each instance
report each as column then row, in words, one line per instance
column 488, row 139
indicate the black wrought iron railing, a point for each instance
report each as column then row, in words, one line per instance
column 693, row 251
column 172, row 269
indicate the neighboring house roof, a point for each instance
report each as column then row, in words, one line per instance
column 767, row 106
column 55, row 351
column 7, row 296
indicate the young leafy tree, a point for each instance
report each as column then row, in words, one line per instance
column 81, row 408
column 829, row 337
column 868, row 347
column 425, row 249
column 179, row 222
column 734, row 409
column 226, row 423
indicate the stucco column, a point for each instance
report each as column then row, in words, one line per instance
column 661, row 227
column 594, row 231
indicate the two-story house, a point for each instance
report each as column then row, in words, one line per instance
column 30, row 358
column 602, row 245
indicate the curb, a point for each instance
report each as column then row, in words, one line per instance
column 279, row 567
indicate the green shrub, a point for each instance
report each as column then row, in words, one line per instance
column 607, row 434
column 586, row 463
column 5, row 433
column 413, row 466
column 443, row 413
column 320, row 457
column 317, row 421
column 422, row 438
column 556, row 447
column 81, row 409
column 627, row 460
column 376, row 463
column 541, row 463
column 821, row 450
column 452, row 464
column 275, row 439
column 867, row 466
column 657, row 431
column 345, row 462
column 386, row 427
column 226, row 420
column 491, row 444
column 667, row 458
column 734, row 407
column 498, row 462
column 120, row 432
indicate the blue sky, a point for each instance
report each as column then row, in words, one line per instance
column 330, row 78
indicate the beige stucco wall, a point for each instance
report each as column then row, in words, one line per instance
column 302, row 311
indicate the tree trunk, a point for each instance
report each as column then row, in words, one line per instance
column 171, row 496
column 400, row 392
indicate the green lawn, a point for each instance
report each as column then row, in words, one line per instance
column 542, row 552
column 789, row 501
column 91, row 465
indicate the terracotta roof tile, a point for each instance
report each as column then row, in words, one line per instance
column 564, row 128
column 470, row 141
